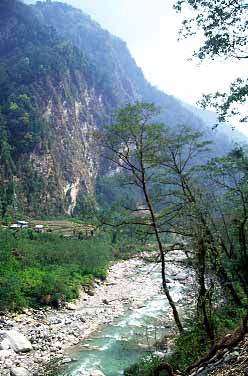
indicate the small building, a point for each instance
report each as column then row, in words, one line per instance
column 15, row 226
column 22, row 224
column 39, row 228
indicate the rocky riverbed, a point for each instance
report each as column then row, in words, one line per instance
column 49, row 333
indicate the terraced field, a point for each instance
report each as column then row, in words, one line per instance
column 65, row 227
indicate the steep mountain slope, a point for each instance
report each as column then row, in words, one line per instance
column 119, row 79
column 48, row 107
column 62, row 76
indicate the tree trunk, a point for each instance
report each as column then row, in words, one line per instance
column 219, row 269
column 203, row 299
column 227, row 285
column 220, row 272
column 161, row 250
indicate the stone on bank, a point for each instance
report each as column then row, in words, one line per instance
column 19, row 371
column 17, row 341
column 97, row 373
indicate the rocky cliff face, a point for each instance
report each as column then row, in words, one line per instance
column 70, row 165
column 62, row 164
column 62, row 76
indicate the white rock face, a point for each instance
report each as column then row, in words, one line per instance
column 74, row 189
column 17, row 341
column 19, row 371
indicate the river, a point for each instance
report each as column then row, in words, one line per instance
column 112, row 348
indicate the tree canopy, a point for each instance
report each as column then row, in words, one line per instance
column 223, row 27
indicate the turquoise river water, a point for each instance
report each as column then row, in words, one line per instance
column 114, row 348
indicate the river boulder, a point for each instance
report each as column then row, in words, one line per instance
column 19, row 371
column 97, row 373
column 71, row 306
column 17, row 341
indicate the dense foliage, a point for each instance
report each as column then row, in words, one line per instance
column 204, row 207
column 30, row 55
column 38, row 269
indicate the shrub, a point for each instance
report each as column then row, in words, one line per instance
column 145, row 367
column 11, row 294
column 87, row 280
column 47, row 268
column 194, row 338
column 53, row 289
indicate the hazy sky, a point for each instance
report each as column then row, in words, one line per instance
column 150, row 29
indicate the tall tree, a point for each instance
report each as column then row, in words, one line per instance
column 131, row 144
column 183, row 197
column 193, row 207
column 228, row 178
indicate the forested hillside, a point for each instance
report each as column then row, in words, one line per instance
column 63, row 76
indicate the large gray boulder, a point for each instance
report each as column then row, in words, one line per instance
column 19, row 371
column 17, row 341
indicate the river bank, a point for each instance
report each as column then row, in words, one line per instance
column 53, row 332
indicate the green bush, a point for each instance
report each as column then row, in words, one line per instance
column 226, row 318
column 47, row 268
column 189, row 347
column 101, row 273
column 145, row 367
column 53, row 288
column 87, row 280
column 11, row 294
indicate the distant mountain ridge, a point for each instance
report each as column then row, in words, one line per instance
column 119, row 66
column 220, row 129
column 63, row 76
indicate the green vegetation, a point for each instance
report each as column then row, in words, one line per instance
column 202, row 205
column 190, row 345
column 49, row 268
column 33, row 58
column 145, row 367
column 163, row 182
column 45, row 268
column 222, row 26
